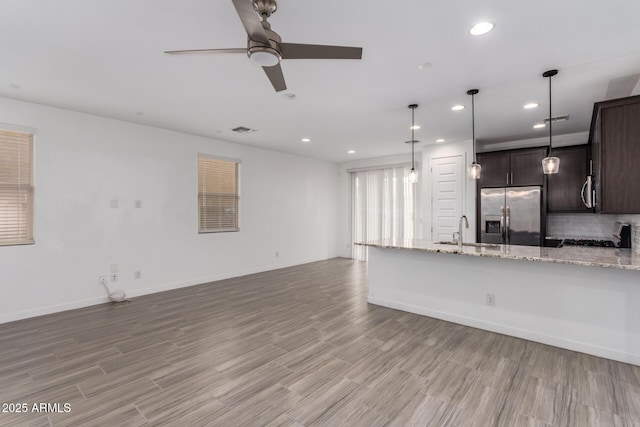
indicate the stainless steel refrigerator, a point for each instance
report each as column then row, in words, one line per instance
column 511, row 215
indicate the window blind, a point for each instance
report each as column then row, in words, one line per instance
column 217, row 195
column 16, row 188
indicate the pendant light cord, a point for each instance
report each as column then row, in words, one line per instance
column 473, row 93
column 413, row 139
column 550, row 120
column 473, row 125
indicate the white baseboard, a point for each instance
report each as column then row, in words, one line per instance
column 511, row 331
column 41, row 311
column 226, row 275
column 72, row 305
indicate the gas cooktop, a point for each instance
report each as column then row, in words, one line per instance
column 588, row 242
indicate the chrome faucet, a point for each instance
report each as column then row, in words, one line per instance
column 460, row 239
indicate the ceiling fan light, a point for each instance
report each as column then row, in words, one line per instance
column 550, row 165
column 265, row 57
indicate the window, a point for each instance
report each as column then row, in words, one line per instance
column 16, row 188
column 384, row 206
column 217, row 194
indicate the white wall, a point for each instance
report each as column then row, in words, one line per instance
column 593, row 310
column 82, row 162
column 465, row 149
column 343, row 230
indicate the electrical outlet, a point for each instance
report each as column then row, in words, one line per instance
column 137, row 204
column 114, row 278
column 102, row 280
column 491, row 299
column 137, row 274
column 114, row 268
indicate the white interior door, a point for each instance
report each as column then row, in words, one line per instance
column 446, row 196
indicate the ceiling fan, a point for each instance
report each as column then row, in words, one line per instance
column 265, row 47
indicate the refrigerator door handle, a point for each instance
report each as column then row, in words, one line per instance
column 502, row 229
column 507, row 224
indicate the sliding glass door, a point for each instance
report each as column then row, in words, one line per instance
column 384, row 206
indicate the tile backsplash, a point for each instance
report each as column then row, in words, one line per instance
column 586, row 226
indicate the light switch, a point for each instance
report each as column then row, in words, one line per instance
column 114, row 204
column 137, row 204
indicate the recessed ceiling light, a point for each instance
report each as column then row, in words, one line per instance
column 457, row 107
column 481, row 28
column 440, row 140
column 351, row 152
column 306, row 140
column 531, row 105
column 414, row 127
column 539, row 125
column 424, row 65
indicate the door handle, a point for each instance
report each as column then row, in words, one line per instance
column 584, row 202
column 587, row 193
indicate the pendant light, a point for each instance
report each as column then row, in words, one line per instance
column 550, row 164
column 413, row 175
column 474, row 169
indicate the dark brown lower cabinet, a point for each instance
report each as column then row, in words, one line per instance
column 564, row 188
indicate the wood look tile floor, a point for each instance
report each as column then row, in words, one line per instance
column 296, row 347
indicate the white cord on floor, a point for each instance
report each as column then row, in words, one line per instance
column 115, row 296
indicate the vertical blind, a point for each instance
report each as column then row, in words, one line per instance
column 217, row 195
column 384, row 206
column 16, row 188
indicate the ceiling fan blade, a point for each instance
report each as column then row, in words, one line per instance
column 250, row 20
column 277, row 78
column 317, row 51
column 192, row 51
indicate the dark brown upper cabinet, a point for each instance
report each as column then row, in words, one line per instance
column 564, row 188
column 513, row 168
column 615, row 148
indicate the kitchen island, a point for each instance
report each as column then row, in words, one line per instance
column 579, row 298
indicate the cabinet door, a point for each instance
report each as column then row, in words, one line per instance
column 564, row 187
column 620, row 150
column 495, row 168
column 526, row 167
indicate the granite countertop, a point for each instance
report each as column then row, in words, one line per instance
column 579, row 255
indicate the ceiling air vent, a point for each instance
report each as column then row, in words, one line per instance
column 557, row 119
column 242, row 129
